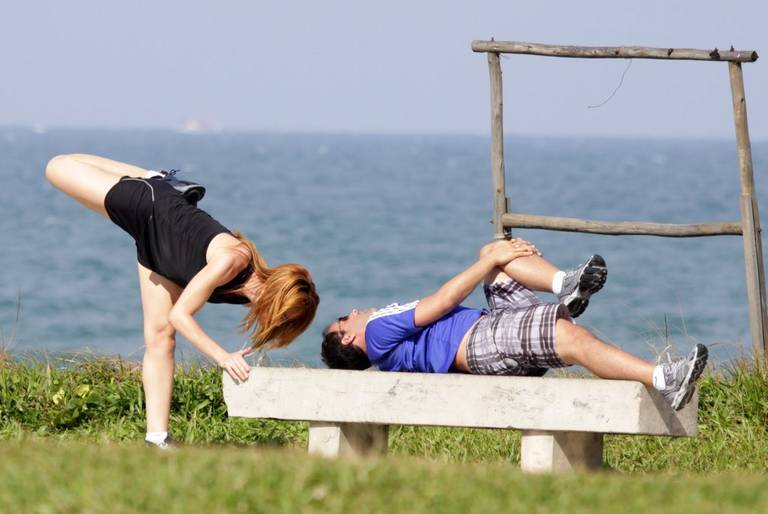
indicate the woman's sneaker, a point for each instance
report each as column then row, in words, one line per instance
column 581, row 283
column 680, row 376
column 169, row 444
column 192, row 191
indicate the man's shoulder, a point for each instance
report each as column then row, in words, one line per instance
column 386, row 331
column 393, row 309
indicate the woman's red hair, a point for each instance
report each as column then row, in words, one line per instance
column 286, row 305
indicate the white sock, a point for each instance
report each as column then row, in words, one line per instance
column 557, row 282
column 156, row 437
column 150, row 174
column 659, row 382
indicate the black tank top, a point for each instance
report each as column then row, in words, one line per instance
column 177, row 238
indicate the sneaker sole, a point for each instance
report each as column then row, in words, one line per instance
column 683, row 396
column 592, row 280
column 191, row 191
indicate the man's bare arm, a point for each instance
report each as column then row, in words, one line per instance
column 453, row 292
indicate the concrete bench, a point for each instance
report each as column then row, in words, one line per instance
column 562, row 419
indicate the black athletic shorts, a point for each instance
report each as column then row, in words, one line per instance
column 130, row 205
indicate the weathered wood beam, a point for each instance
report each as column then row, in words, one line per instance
column 750, row 217
column 616, row 228
column 614, row 52
column 497, row 145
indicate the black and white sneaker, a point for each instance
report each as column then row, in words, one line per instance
column 680, row 376
column 192, row 191
column 581, row 283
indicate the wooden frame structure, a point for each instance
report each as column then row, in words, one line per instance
column 748, row 227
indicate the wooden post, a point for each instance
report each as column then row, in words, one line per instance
column 750, row 217
column 497, row 146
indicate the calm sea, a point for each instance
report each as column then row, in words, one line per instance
column 380, row 219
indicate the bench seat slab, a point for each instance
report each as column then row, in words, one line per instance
column 524, row 403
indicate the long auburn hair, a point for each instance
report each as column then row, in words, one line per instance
column 286, row 305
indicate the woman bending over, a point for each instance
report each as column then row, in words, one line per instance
column 185, row 259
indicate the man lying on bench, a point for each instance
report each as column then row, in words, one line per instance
column 519, row 334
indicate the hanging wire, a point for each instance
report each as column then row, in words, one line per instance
column 629, row 65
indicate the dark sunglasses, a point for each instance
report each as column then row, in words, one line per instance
column 340, row 319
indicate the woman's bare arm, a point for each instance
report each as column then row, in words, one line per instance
column 219, row 270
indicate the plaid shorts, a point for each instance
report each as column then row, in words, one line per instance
column 517, row 336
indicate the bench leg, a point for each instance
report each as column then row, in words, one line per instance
column 547, row 452
column 347, row 439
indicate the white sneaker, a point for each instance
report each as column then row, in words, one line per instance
column 680, row 376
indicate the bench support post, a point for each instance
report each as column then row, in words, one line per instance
column 546, row 452
column 347, row 439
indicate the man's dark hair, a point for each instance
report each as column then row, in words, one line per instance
column 342, row 356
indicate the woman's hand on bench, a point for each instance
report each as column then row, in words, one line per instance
column 234, row 363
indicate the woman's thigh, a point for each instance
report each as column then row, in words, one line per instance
column 84, row 182
column 158, row 294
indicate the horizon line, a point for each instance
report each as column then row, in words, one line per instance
column 41, row 128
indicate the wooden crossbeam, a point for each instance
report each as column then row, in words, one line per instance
column 614, row 52
column 616, row 228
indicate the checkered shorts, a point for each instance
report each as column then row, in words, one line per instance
column 517, row 336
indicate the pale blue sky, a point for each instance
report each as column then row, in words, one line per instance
column 388, row 66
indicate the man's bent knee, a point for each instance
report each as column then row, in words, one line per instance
column 488, row 248
column 497, row 274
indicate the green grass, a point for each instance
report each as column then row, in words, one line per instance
column 45, row 476
column 102, row 400
column 70, row 433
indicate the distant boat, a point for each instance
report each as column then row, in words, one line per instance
column 196, row 126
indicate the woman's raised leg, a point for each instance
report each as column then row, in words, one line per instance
column 121, row 169
column 88, row 178
column 158, row 294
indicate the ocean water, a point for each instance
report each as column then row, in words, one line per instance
column 379, row 219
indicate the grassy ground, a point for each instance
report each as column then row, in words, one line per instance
column 70, row 442
column 45, row 476
column 102, row 400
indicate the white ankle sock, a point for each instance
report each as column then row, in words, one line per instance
column 659, row 382
column 156, row 437
column 557, row 282
column 153, row 173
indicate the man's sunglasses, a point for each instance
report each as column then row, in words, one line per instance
column 340, row 319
